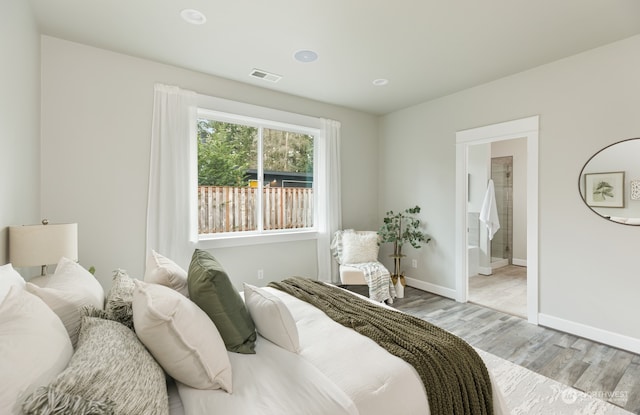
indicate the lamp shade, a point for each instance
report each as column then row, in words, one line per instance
column 32, row 245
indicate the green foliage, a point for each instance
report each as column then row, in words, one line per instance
column 402, row 227
column 226, row 151
column 602, row 191
column 287, row 151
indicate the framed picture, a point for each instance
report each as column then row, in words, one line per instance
column 604, row 189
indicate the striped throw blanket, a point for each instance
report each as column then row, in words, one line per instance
column 381, row 287
column 455, row 378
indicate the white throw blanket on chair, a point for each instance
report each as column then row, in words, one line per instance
column 377, row 277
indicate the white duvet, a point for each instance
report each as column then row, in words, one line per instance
column 337, row 371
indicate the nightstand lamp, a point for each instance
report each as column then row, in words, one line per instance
column 33, row 245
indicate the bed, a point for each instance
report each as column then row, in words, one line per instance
column 356, row 375
column 325, row 369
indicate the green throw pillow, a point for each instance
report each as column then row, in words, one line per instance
column 211, row 290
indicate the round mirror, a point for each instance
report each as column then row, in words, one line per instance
column 609, row 182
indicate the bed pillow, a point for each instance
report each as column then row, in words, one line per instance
column 118, row 304
column 163, row 271
column 211, row 289
column 110, row 372
column 69, row 289
column 272, row 318
column 359, row 247
column 181, row 337
column 9, row 277
column 68, row 276
column 34, row 347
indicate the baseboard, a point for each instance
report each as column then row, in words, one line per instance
column 514, row 261
column 432, row 288
column 620, row 341
column 499, row 263
column 519, row 262
column 485, row 270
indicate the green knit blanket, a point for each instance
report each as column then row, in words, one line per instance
column 454, row 376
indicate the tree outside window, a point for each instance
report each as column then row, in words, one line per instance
column 229, row 176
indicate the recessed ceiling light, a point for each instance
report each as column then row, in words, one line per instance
column 306, row 56
column 193, row 16
column 380, row 82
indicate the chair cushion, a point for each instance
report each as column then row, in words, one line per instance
column 351, row 276
column 359, row 247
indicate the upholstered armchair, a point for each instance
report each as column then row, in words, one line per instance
column 357, row 255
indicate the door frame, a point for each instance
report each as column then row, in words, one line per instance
column 522, row 128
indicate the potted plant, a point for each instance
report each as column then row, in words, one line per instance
column 401, row 228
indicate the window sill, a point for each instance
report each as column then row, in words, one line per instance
column 233, row 240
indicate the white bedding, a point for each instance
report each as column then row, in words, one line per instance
column 338, row 371
column 175, row 404
column 272, row 381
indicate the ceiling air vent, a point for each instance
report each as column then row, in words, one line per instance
column 267, row 76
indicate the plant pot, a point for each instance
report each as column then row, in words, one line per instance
column 399, row 283
column 399, row 286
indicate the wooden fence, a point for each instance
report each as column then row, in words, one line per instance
column 233, row 209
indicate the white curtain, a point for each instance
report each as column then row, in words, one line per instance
column 170, row 219
column 330, row 211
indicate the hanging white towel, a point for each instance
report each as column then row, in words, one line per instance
column 489, row 211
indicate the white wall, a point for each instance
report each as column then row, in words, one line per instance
column 19, row 119
column 96, row 119
column 588, row 267
column 479, row 169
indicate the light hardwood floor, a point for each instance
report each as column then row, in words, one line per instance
column 602, row 371
column 505, row 290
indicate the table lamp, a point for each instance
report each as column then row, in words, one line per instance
column 32, row 245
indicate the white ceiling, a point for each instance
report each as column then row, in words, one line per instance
column 425, row 48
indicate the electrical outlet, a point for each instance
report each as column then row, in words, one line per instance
column 414, row 263
column 260, row 274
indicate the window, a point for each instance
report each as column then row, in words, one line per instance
column 254, row 176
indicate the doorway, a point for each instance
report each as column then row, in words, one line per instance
column 526, row 129
column 495, row 281
column 502, row 241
